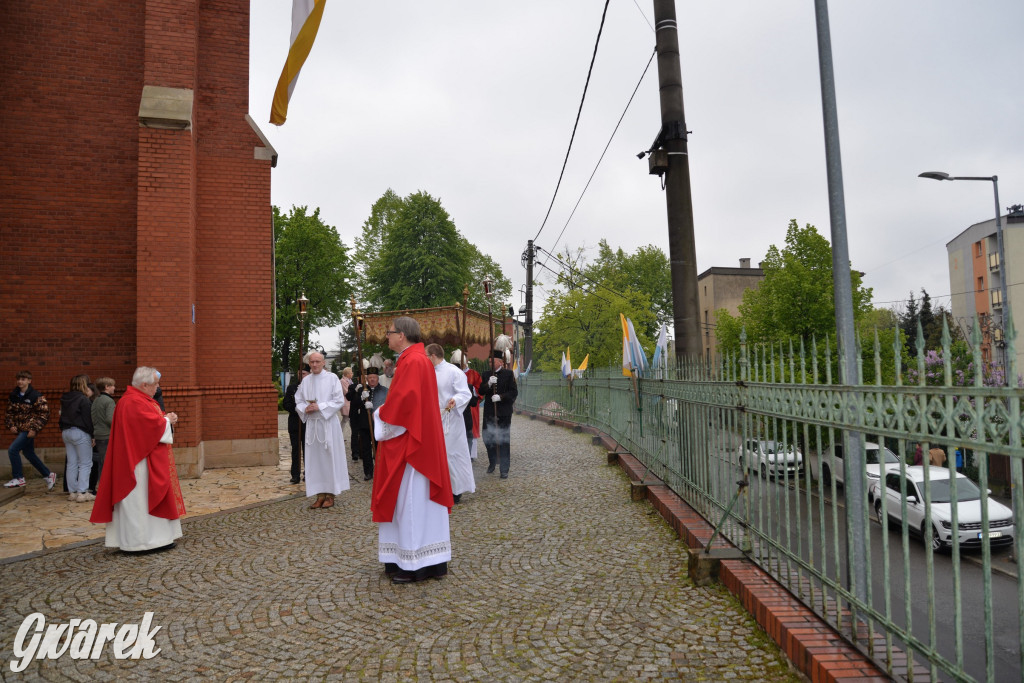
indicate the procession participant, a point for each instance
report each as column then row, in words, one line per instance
column 318, row 401
column 364, row 400
column 296, row 427
column 139, row 497
column 472, row 412
column 412, row 492
column 453, row 396
column 498, row 391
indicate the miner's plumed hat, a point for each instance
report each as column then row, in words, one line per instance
column 457, row 357
column 503, row 348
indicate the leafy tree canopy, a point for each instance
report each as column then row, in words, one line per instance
column 310, row 258
column 795, row 298
column 582, row 312
column 411, row 255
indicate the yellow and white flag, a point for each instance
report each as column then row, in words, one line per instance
column 306, row 16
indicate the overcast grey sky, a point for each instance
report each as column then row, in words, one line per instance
column 474, row 103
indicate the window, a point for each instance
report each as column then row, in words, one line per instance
column 981, row 284
column 977, row 249
column 993, row 260
column 997, row 297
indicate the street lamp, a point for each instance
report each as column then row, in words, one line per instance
column 1005, row 303
column 303, row 306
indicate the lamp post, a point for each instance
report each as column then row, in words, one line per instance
column 488, row 285
column 303, row 310
column 1005, row 303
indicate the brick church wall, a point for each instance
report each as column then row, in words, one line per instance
column 124, row 245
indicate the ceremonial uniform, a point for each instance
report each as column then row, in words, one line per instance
column 360, row 419
column 498, row 417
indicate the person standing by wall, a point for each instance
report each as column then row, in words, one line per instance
column 102, row 415
column 27, row 413
column 318, row 402
column 76, row 430
column 296, row 427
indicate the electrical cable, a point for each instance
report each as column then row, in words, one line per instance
column 605, row 151
column 586, row 85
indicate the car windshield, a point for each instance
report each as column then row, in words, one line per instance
column 871, row 456
column 965, row 490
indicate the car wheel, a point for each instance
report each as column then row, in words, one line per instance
column 880, row 513
column 764, row 471
column 938, row 545
column 826, row 475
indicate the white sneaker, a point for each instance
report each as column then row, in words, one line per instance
column 85, row 497
column 73, row 497
column 51, row 479
column 15, row 483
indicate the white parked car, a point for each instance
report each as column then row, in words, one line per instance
column 1000, row 518
column 873, row 454
column 773, row 458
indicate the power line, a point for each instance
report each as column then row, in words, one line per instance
column 643, row 15
column 605, row 151
column 586, row 85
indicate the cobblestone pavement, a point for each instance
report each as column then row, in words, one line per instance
column 556, row 575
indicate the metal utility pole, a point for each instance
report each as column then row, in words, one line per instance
column 854, row 462
column 528, row 256
column 672, row 160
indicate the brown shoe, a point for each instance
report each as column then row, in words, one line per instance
column 328, row 502
column 319, row 502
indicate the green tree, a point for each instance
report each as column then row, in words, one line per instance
column 480, row 266
column 587, row 321
column 411, row 255
column 310, row 258
column 795, row 298
column 423, row 259
column 368, row 245
column 645, row 270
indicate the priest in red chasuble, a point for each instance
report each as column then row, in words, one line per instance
column 138, row 496
column 412, row 493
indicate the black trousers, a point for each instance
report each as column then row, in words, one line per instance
column 297, row 435
column 365, row 451
column 497, row 434
column 99, row 454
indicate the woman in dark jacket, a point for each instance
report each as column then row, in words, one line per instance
column 76, row 429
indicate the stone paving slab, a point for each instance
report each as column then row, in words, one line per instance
column 556, row 575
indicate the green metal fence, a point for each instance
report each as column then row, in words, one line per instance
column 932, row 593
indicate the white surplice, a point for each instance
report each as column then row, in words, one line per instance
column 452, row 384
column 131, row 527
column 418, row 535
column 326, row 462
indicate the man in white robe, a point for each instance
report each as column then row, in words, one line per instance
column 453, row 396
column 318, row 402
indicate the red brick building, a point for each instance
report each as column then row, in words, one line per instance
column 135, row 219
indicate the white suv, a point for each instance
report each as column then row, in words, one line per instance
column 970, row 531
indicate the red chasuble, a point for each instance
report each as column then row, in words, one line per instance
column 473, row 378
column 135, row 435
column 411, row 403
